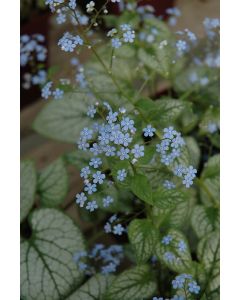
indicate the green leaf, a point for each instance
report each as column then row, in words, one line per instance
column 182, row 261
column 93, row 289
column 177, row 216
column 47, row 267
column 190, row 154
column 209, row 254
column 141, row 187
column 133, row 284
column 143, row 237
column 210, row 178
column 164, row 198
column 205, row 220
column 27, row 187
column 63, row 120
column 53, row 183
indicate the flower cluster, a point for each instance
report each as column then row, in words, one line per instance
column 69, row 42
column 105, row 258
column 125, row 35
column 34, row 53
column 47, row 91
column 188, row 174
column 117, row 229
column 184, row 283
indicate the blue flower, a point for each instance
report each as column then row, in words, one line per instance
column 212, row 127
column 82, row 266
column 178, row 282
column 113, row 218
column 107, row 201
column 169, row 133
column 129, row 36
column 109, row 150
column 181, row 46
column 61, row 18
column 72, row 4
column 116, row 43
column 138, row 151
column 98, row 177
column 127, row 124
column 121, row 175
column 169, row 256
column 78, row 40
column 163, row 147
column 167, row 239
column 156, row 298
column 96, row 149
column 110, row 268
column 86, row 134
column 58, row 94
column 95, row 162
column 81, row 199
column 169, row 184
column 107, row 228
column 118, row 229
column 91, row 206
column 46, row 92
column 83, row 145
column 112, row 117
column 91, row 111
column 125, row 27
column 182, row 246
column 193, row 287
column 179, row 170
column 123, row 153
column 149, row 131
column 90, row 188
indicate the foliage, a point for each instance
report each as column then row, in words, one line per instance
column 148, row 162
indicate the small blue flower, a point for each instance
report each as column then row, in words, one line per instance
column 129, row 36
column 61, row 18
column 156, row 298
column 82, row 266
column 98, row 177
column 107, row 228
column 95, row 162
column 182, row 246
column 85, row 172
column 127, row 124
column 112, row 117
column 123, row 153
column 90, row 188
column 116, row 43
column 96, row 149
column 58, row 94
column 149, row 131
column 169, row 133
column 179, row 170
column 138, row 151
column 113, row 218
column 121, row 175
column 167, row 239
column 72, row 4
column 110, row 268
column 125, row 27
column 169, row 256
column 181, row 46
column 212, row 127
column 169, row 184
column 46, row 92
column 193, row 287
column 86, row 134
column 107, row 201
column 81, row 199
column 91, row 206
column 118, row 229
column 91, row 111
column 109, row 150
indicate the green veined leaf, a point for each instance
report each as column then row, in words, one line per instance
column 27, row 187
column 209, row 254
column 63, row 120
column 133, row 284
column 182, row 261
column 47, row 267
column 178, row 216
column 143, row 237
column 93, row 289
column 53, row 183
column 164, row 198
column 210, row 191
column 205, row 220
column 141, row 187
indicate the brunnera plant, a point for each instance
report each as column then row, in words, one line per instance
column 148, row 161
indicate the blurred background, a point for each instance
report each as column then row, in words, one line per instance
column 36, row 18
